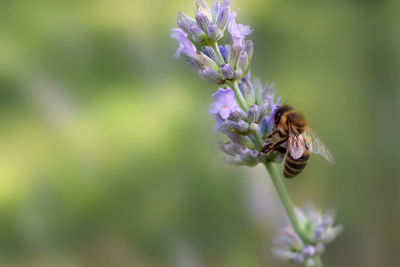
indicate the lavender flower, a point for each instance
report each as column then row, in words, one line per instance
column 206, row 29
column 321, row 229
column 185, row 45
column 237, row 31
column 244, row 111
column 225, row 103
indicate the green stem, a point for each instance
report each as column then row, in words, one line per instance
column 286, row 201
column 240, row 97
column 219, row 55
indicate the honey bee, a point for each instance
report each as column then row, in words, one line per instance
column 292, row 137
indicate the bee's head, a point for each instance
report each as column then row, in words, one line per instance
column 279, row 112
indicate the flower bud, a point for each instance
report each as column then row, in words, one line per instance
column 222, row 18
column 206, row 61
column 257, row 90
column 238, row 74
column 254, row 127
column 244, row 141
column 239, row 127
column 185, row 22
column 253, row 113
column 265, row 126
column 243, row 127
column 248, row 91
column 263, row 108
column 233, row 160
column 210, row 52
column 225, row 50
column 234, row 54
column 294, row 240
column 243, row 61
column 196, row 33
column 238, row 115
column 210, row 75
column 201, row 5
column 248, row 157
column 249, row 48
column 227, row 71
column 268, row 93
column 230, row 148
column 202, row 20
column 215, row 9
column 194, row 65
column 214, row 33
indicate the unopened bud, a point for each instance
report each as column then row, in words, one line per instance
column 225, row 50
column 202, row 20
column 249, row 48
column 243, row 61
column 230, row 148
column 193, row 64
column 206, row 61
column 202, row 5
column 215, row 9
column 197, row 34
column 210, row 52
column 254, row 113
column 234, row 55
column 238, row 74
column 222, row 19
column 257, row 90
column 227, row 71
column 185, row 22
column 213, row 32
column 238, row 114
column 210, row 75
column 248, row 91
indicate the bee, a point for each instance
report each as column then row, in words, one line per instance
column 292, row 137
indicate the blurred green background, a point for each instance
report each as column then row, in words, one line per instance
column 107, row 153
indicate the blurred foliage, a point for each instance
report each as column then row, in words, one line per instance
column 107, row 156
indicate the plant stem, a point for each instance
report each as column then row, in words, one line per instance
column 286, row 200
column 240, row 97
column 219, row 55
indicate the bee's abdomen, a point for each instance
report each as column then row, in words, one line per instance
column 295, row 166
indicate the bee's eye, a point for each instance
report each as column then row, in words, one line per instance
column 278, row 115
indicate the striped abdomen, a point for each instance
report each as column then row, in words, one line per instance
column 295, row 166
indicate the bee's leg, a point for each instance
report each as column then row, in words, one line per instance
column 272, row 134
column 269, row 147
column 281, row 149
column 266, row 148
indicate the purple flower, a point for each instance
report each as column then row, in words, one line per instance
column 237, row 31
column 185, row 45
column 225, row 103
column 311, row 219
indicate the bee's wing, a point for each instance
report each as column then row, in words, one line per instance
column 316, row 146
column 296, row 143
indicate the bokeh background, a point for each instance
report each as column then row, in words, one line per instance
column 107, row 151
